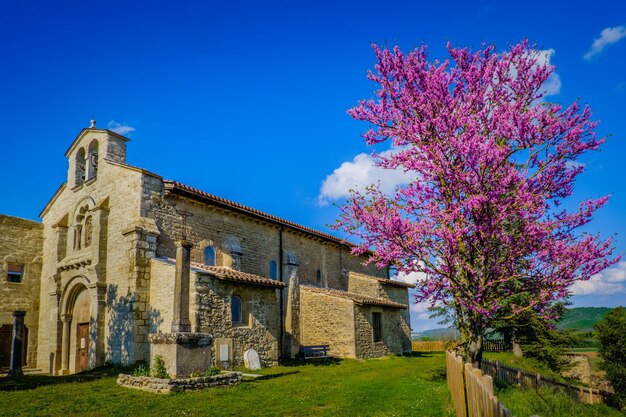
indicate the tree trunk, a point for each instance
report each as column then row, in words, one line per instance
column 475, row 351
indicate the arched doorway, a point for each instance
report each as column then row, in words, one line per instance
column 77, row 323
column 79, row 332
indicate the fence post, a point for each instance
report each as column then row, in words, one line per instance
column 519, row 377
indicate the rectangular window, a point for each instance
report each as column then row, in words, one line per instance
column 377, row 326
column 15, row 272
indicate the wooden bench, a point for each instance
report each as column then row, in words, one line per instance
column 315, row 351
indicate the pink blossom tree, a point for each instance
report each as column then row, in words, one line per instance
column 491, row 164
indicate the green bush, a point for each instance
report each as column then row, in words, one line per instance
column 611, row 332
column 141, row 370
column 158, row 368
column 211, row 372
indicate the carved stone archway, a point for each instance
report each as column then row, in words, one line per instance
column 77, row 289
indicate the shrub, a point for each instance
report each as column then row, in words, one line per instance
column 611, row 332
column 158, row 368
column 141, row 370
column 211, row 372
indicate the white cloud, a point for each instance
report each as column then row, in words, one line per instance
column 607, row 37
column 420, row 310
column 120, row 128
column 574, row 164
column 608, row 282
column 358, row 174
column 411, row 278
column 552, row 85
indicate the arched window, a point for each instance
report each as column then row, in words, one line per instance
column 235, row 310
column 273, row 269
column 79, row 177
column 88, row 231
column 209, row 256
column 93, row 160
column 318, row 278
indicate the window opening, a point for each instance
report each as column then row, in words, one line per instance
column 15, row 272
column 235, row 310
column 377, row 326
column 209, row 256
column 273, row 269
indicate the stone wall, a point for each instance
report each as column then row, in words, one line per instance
column 21, row 241
column 260, row 330
column 327, row 320
column 364, row 284
column 166, row 386
column 395, row 332
column 259, row 242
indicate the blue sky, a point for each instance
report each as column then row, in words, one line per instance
column 248, row 100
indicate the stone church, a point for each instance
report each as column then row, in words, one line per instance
column 96, row 278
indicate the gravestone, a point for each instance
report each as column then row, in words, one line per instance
column 251, row 360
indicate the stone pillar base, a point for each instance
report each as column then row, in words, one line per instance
column 183, row 353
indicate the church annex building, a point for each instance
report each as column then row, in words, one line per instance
column 96, row 276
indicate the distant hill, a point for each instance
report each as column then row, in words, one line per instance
column 439, row 334
column 579, row 318
column 582, row 318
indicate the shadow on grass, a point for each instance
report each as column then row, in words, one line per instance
column 27, row 382
column 416, row 354
column 272, row 376
column 314, row 362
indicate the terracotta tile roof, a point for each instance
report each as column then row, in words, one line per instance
column 357, row 298
column 190, row 192
column 229, row 274
column 395, row 283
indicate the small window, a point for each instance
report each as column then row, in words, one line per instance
column 15, row 272
column 273, row 270
column 377, row 326
column 209, row 256
column 92, row 172
column 79, row 174
column 235, row 310
column 318, row 278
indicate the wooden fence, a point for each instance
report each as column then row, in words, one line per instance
column 496, row 345
column 432, row 345
column 521, row 378
column 443, row 345
column 472, row 392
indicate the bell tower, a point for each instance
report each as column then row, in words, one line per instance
column 89, row 149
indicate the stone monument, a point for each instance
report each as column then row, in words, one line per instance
column 251, row 360
column 183, row 352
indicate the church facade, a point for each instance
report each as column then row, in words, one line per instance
column 96, row 276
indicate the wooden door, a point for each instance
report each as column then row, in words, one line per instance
column 82, row 347
column 6, row 334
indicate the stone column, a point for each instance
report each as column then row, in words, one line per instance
column 65, row 344
column 17, row 344
column 291, row 308
column 181, row 323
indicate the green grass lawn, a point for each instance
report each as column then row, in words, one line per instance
column 391, row 386
column 527, row 364
column 548, row 403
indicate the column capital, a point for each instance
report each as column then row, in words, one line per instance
column 66, row 317
column 184, row 243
